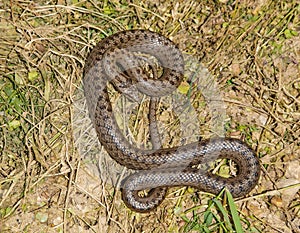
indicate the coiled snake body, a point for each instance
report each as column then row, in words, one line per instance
column 112, row 60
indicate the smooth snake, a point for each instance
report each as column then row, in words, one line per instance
column 113, row 60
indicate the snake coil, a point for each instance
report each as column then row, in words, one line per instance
column 112, row 60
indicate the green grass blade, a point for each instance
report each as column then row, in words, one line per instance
column 234, row 213
column 224, row 213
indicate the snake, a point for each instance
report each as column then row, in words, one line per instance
column 114, row 60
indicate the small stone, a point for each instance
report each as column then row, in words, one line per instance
column 277, row 201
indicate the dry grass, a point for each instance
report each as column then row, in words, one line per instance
column 252, row 48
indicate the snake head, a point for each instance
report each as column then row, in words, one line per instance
column 132, row 93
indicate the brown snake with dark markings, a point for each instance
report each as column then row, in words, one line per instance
column 112, row 60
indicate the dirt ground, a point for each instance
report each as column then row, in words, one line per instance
column 54, row 174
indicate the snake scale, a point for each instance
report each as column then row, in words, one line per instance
column 113, row 60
